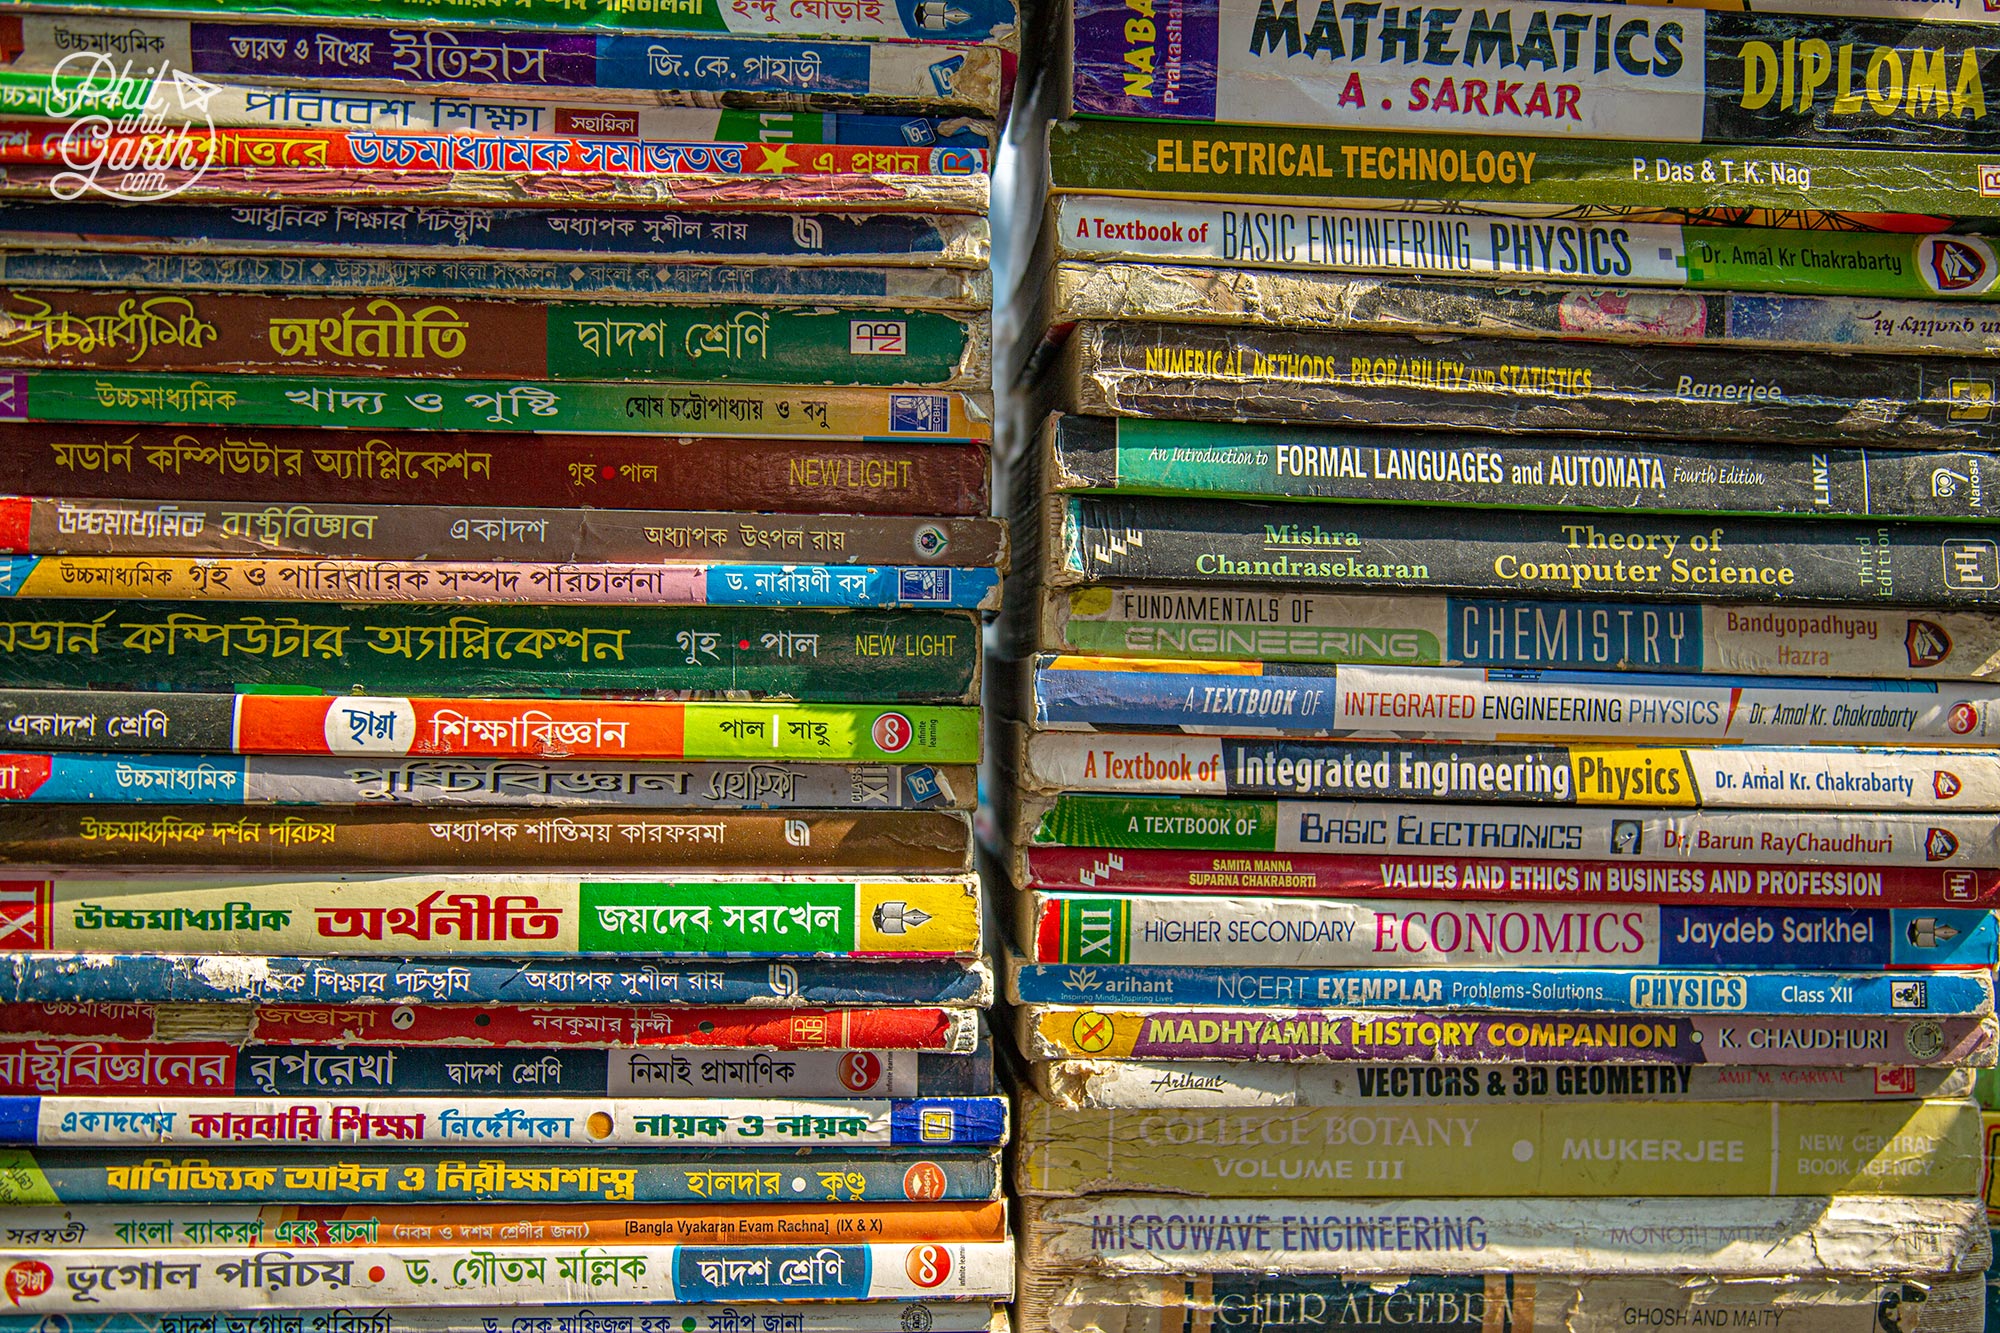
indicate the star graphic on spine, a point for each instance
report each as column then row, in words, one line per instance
column 775, row 159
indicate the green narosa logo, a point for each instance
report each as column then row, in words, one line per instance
column 1095, row 929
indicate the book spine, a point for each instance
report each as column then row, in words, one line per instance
column 898, row 1028
column 445, row 915
column 1743, row 777
column 1052, row 1033
column 965, row 291
column 1722, row 837
column 578, row 406
column 499, row 340
column 1195, row 459
column 1256, row 163
column 565, row 235
column 1084, row 693
column 1443, row 307
column 193, row 464
column 1894, row 266
column 151, row 779
column 531, row 1274
column 1518, row 552
column 1420, row 878
column 1747, row 777
column 152, row 978
column 1741, row 1149
column 835, row 656
column 1137, row 1084
column 466, row 582
column 1296, row 1304
column 124, row 1227
column 573, row 33
column 323, row 1081
column 1683, row 79
column 545, row 728
column 81, row 1121
column 280, row 1174
column 909, row 179
column 358, row 156
column 304, row 105
column 1211, row 373
column 1279, row 625
column 188, row 837
column 1790, row 1238
column 603, row 69
column 1526, row 989
column 1188, row 930
column 872, row 1317
column 412, row 532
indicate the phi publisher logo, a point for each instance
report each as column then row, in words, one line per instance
column 1961, row 886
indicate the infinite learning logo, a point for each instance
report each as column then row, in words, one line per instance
column 136, row 138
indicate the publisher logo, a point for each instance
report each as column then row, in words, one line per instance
column 1961, row 886
column 1989, row 180
column 1925, row 1040
column 1971, row 565
column 1940, row 845
column 1899, row 1081
column 1628, row 837
column 924, row 1182
column 1971, row 400
column 1092, row 1032
column 21, row 915
column 1909, row 994
column 28, row 1279
column 928, row 1265
column 892, row 733
column 919, row 413
column 1945, row 785
column 860, row 1070
column 878, row 337
column 1963, row 720
column 1926, row 644
column 1955, row 265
